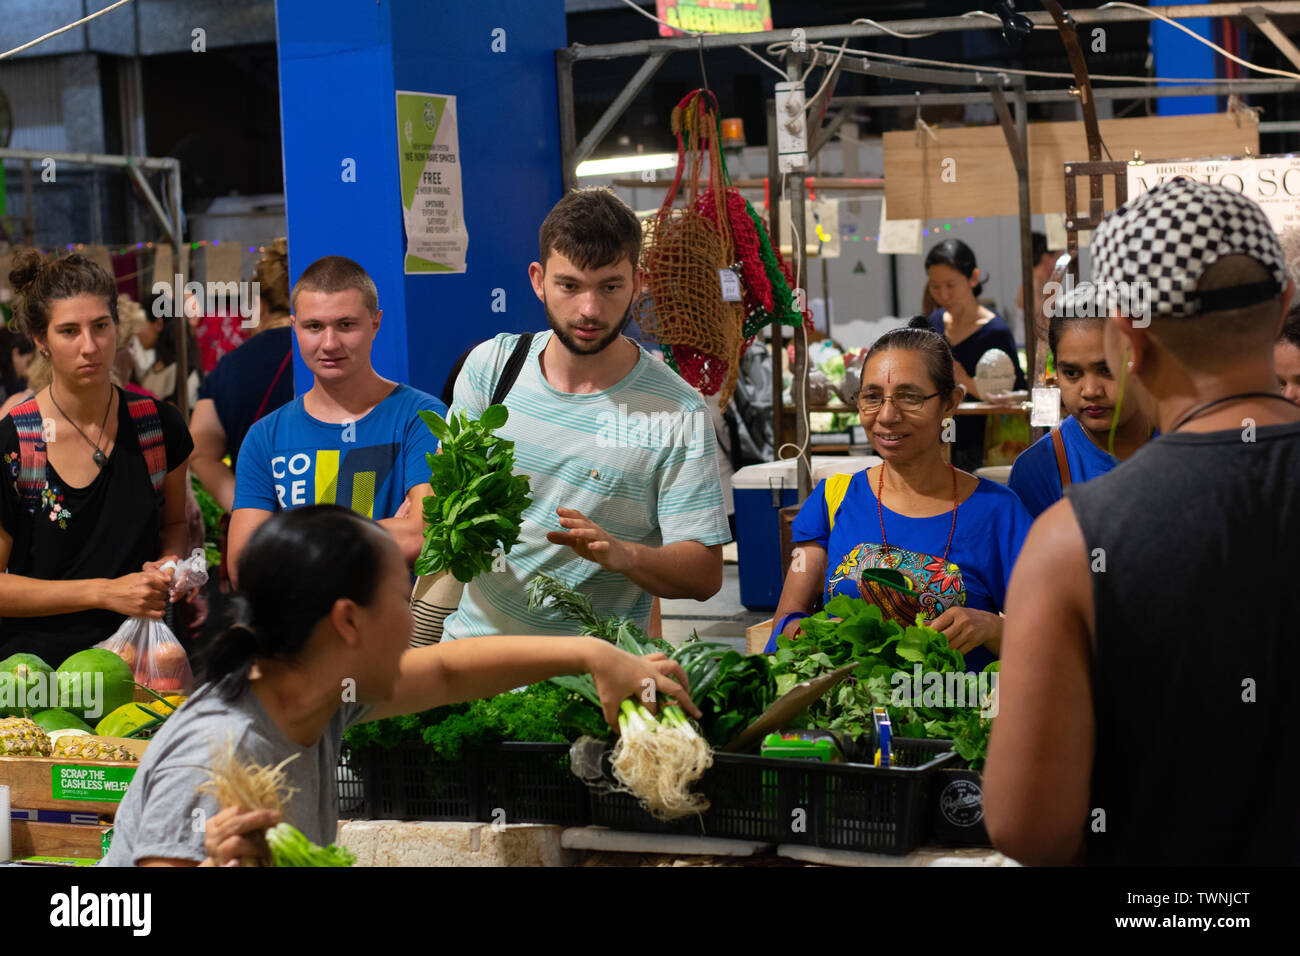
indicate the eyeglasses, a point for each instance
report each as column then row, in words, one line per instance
column 904, row 401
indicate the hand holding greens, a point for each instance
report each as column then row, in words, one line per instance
column 477, row 502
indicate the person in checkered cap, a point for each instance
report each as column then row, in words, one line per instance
column 1147, row 696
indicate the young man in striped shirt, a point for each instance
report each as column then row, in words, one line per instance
column 627, row 502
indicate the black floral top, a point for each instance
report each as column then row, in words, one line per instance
column 105, row 530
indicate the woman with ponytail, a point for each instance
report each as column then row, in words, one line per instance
column 319, row 642
column 92, row 479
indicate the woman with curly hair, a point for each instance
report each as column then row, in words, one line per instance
column 92, row 494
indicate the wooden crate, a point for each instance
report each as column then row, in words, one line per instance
column 76, row 840
column 31, row 781
column 756, row 636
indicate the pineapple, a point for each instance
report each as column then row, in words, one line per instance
column 21, row 737
column 91, row 748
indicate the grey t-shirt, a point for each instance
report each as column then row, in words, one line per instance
column 157, row 818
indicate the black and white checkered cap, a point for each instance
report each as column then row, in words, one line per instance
column 1168, row 236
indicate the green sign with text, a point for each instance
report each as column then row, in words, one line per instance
column 81, row 782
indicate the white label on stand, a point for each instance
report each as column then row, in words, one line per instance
column 1046, row 412
column 730, row 285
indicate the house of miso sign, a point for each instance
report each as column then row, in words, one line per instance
column 1272, row 181
column 433, row 209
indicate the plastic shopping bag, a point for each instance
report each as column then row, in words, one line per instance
column 155, row 657
column 150, row 649
column 191, row 574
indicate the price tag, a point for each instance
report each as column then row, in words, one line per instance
column 1046, row 412
column 730, row 285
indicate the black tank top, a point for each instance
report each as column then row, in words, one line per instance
column 1197, row 651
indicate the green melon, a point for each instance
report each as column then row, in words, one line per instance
column 24, row 679
column 56, row 718
column 95, row 682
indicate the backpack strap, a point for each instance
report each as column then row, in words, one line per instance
column 31, row 450
column 512, row 368
column 1062, row 464
column 148, row 429
column 837, row 486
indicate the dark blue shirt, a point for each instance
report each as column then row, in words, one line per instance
column 993, row 334
column 242, row 382
column 990, row 529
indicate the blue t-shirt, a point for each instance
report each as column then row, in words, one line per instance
column 290, row 459
column 1035, row 477
column 990, row 529
column 245, row 380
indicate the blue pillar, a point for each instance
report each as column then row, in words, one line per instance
column 1174, row 53
column 341, row 63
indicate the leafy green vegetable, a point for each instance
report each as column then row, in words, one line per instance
column 851, row 630
column 212, row 513
column 477, row 502
column 290, row 848
column 542, row 712
column 729, row 688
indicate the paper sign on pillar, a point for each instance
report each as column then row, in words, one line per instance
column 433, row 208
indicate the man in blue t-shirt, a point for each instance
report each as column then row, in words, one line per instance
column 355, row 438
column 1089, row 392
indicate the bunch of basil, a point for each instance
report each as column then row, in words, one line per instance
column 478, row 501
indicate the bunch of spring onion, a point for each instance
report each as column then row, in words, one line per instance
column 658, row 760
column 254, row 787
column 290, row 848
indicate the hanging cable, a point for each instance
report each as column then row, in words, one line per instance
column 1196, row 36
column 70, row 26
column 651, row 16
column 767, row 63
column 777, row 48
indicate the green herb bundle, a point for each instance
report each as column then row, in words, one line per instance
column 730, row 689
column 541, row 713
column 477, row 502
column 212, row 513
column 851, row 630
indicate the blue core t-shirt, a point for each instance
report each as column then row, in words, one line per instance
column 1035, row 478
column 290, row 459
column 990, row 529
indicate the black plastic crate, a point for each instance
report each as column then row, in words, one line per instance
column 750, row 798
column 406, row 783
column 878, row 809
column 834, row 806
column 532, row 783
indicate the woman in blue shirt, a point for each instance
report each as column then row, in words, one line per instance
column 970, row 329
column 952, row 536
column 1088, row 391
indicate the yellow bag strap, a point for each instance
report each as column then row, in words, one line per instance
column 837, row 486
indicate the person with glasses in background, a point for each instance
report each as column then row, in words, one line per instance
column 914, row 534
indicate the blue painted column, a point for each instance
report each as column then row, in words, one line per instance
column 341, row 63
column 1174, row 53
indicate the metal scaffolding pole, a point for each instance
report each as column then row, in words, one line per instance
column 1040, row 19
column 171, row 220
column 798, row 225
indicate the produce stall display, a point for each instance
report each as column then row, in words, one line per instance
column 450, row 763
column 69, row 747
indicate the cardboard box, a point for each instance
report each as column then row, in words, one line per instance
column 61, row 783
column 71, row 840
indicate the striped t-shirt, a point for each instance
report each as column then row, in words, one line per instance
column 638, row 459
